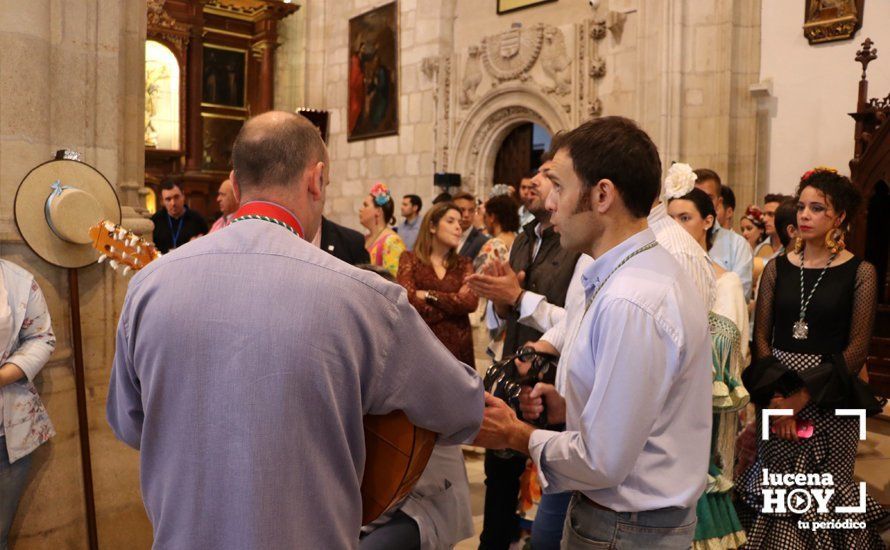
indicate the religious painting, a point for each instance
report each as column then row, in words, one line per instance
column 219, row 136
column 506, row 6
column 224, row 82
column 830, row 20
column 373, row 106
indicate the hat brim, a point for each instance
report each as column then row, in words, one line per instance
column 30, row 215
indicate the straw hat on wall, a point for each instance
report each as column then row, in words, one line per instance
column 55, row 206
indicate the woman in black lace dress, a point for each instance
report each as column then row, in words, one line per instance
column 815, row 314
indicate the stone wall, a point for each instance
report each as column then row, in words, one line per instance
column 404, row 161
column 71, row 76
column 682, row 69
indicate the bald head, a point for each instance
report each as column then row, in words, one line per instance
column 274, row 149
column 225, row 197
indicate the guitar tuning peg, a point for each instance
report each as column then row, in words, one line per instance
column 123, row 255
column 113, row 263
column 102, row 258
column 112, row 249
column 138, row 249
column 126, row 271
column 121, row 233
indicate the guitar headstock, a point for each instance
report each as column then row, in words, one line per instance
column 122, row 248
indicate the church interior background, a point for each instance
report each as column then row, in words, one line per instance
column 148, row 89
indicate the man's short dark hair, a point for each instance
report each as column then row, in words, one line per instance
column 776, row 197
column 442, row 197
column 464, row 196
column 275, row 152
column 728, row 196
column 706, row 174
column 786, row 214
column 170, row 184
column 415, row 200
column 616, row 149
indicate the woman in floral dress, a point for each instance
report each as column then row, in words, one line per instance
column 384, row 245
column 26, row 342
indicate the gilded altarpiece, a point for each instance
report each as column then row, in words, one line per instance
column 217, row 59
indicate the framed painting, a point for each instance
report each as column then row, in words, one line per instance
column 224, row 82
column 507, row 6
column 319, row 118
column 831, row 20
column 219, row 136
column 373, row 77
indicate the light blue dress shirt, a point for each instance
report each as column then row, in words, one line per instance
column 408, row 232
column 733, row 253
column 637, row 389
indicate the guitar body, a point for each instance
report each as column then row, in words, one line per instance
column 396, row 455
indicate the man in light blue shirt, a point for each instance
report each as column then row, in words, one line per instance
column 730, row 249
column 637, row 401
column 407, row 230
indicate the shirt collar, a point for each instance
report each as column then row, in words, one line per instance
column 597, row 271
column 413, row 224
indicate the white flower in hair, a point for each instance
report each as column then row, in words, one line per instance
column 679, row 181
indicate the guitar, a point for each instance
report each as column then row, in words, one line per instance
column 396, row 451
column 123, row 249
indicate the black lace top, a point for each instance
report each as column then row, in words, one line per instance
column 840, row 315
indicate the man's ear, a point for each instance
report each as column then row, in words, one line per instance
column 236, row 189
column 602, row 195
column 316, row 180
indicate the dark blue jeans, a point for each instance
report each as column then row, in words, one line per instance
column 13, row 478
column 590, row 527
column 549, row 521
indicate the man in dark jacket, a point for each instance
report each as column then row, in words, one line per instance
column 175, row 224
column 342, row 242
column 547, row 269
column 472, row 240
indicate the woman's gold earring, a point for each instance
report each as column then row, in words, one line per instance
column 798, row 245
column 835, row 240
column 830, row 241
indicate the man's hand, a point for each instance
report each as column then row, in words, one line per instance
column 498, row 283
column 501, row 428
column 532, row 402
column 541, row 346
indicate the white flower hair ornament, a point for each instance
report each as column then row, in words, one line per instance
column 679, row 181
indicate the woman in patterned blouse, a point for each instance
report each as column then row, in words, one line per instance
column 434, row 274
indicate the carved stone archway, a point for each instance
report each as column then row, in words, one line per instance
column 488, row 123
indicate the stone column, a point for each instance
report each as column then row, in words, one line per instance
column 72, row 76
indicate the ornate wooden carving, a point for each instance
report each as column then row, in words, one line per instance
column 186, row 26
column 870, row 172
